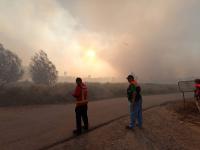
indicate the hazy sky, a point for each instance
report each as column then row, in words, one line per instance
column 158, row 40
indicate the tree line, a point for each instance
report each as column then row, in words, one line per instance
column 41, row 69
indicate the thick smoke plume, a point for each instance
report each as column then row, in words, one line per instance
column 158, row 40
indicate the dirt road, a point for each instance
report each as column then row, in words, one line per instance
column 35, row 127
column 164, row 129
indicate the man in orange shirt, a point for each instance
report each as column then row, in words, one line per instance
column 80, row 94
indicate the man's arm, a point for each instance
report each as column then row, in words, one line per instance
column 77, row 92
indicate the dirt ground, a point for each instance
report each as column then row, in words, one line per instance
column 166, row 127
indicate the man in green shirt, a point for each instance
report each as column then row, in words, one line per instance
column 131, row 94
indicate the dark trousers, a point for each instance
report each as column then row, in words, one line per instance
column 81, row 112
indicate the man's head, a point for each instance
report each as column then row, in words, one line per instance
column 197, row 81
column 130, row 78
column 78, row 81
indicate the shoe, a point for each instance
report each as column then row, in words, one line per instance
column 76, row 132
column 128, row 127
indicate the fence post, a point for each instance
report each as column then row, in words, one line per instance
column 184, row 99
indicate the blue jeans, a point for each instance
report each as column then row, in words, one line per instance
column 136, row 113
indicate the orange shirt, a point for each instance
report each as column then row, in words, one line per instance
column 80, row 94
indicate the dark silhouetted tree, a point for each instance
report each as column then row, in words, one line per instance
column 42, row 70
column 10, row 66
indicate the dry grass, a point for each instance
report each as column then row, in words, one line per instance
column 27, row 93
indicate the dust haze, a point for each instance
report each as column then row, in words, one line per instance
column 157, row 40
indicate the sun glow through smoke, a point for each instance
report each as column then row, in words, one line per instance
column 91, row 54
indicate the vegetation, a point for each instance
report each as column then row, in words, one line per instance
column 10, row 66
column 27, row 93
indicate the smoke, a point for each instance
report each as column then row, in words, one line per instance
column 28, row 26
column 157, row 40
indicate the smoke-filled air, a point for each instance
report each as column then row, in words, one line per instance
column 157, row 40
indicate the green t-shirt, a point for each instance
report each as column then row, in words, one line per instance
column 131, row 89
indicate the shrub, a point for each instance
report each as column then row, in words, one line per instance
column 10, row 66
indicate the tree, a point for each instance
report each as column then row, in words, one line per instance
column 42, row 70
column 10, row 66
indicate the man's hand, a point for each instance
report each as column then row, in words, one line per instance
column 81, row 102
